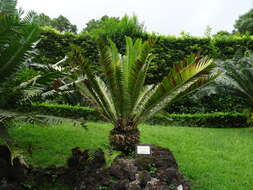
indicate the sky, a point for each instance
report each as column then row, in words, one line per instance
column 167, row 17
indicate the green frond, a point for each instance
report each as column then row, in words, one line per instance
column 180, row 80
column 121, row 96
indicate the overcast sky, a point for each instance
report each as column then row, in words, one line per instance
column 162, row 16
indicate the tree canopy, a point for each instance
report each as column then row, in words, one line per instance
column 244, row 24
column 60, row 23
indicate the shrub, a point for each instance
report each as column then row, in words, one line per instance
column 63, row 110
column 211, row 120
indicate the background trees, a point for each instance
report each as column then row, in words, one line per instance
column 60, row 23
column 244, row 24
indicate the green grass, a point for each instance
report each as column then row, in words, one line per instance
column 213, row 159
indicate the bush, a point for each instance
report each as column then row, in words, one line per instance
column 62, row 110
column 211, row 120
column 208, row 104
column 169, row 50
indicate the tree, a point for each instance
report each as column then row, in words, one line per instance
column 244, row 24
column 222, row 33
column 100, row 23
column 62, row 24
column 120, row 95
column 116, row 29
column 208, row 31
column 42, row 19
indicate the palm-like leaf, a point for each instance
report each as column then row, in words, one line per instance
column 240, row 74
column 17, row 46
column 120, row 94
column 17, row 39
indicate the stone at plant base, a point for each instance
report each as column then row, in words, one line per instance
column 86, row 171
column 123, row 169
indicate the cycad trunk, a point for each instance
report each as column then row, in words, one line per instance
column 124, row 137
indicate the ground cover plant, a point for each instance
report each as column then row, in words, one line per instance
column 211, row 158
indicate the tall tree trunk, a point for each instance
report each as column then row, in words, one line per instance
column 124, row 138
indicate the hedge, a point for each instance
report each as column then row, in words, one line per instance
column 169, row 50
column 63, row 110
column 212, row 120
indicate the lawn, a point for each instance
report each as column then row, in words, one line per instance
column 212, row 159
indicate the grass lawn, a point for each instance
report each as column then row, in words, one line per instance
column 213, row 159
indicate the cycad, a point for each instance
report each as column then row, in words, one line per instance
column 120, row 94
column 239, row 78
column 17, row 37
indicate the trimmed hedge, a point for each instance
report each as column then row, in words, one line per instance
column 63, row 110
column 169, row 50
column 210, row 120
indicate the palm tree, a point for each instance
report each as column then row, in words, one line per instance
column 120, row 94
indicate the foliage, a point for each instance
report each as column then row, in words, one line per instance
column 42, row 19
column 100, row 23
column 113, row 96
column 62, row 110
column 222, row 33
column 17, row 38
column 62, row 24
column 115, row 29
column 229, row 47
column 239, row 78
column 169, row 50
column 244, row 24
column 210, row 101
column 214, row 120
column 8, row 6
column 211, row 120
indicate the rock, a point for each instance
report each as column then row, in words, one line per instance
column 155, row 184
column 78, row 159
column 99, row 159
column 123, row 169
column 143, row 177
column 86, row 171
column 86, row 159
column 120, row 185
column 134, row 185
column 167, row 175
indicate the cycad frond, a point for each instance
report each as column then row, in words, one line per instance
column 16, row 44
column 121, row 94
